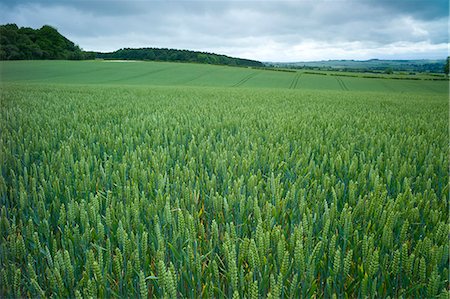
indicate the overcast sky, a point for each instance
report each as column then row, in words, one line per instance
column 295, row 30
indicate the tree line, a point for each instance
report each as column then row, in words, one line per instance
column 47, row 43
column 32, row 44
column 164, row 54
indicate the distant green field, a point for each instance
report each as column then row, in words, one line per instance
column 182, row 74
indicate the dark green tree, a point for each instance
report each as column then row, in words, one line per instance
column 446, row 67
column 44, row 43
column 178, row 55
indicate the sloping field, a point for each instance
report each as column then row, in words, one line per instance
column 167, row 180
column 183, row 74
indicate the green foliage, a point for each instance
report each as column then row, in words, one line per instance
column 446, row 67
column 44, row 43
column 389, row 70
column 172, row 192
column 158, row 54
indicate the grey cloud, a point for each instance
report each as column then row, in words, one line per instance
column 430, row 9
column 265, row 30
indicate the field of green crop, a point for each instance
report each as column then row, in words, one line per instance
column 128, row 190
column 183, row 74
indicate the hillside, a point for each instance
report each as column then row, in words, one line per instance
column 32, row 44
column 151, row 73
column 372, row 65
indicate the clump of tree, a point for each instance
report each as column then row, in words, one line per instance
column 389, row 71
column 45, row 43
column 158, row 54
column 446, row 67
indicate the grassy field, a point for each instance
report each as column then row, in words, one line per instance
column 182, row 74
column 173, row 180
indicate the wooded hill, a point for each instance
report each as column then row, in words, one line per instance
column 47, row 43
column 178, row 55
column 372, row 65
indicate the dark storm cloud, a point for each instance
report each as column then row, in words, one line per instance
column 265, row 30
column 425, row 10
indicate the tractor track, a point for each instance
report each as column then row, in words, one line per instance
column 294, row 82
column 342, row 84
column 245, row 79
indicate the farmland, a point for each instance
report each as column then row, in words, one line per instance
column 184, row 74
column 145, row 179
